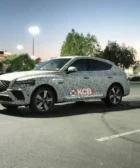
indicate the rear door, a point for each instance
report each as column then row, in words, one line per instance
column 99, row 76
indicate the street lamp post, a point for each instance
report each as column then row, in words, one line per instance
column 34, row 31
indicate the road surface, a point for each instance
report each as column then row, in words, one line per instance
column 88, row 135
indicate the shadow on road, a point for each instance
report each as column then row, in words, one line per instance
column 73, row 109
column 114, row 131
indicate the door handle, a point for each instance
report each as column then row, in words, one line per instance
column 86, row 77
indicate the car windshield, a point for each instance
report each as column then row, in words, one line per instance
column 52, row 65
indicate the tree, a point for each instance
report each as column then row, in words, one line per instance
column 7, row 59
column 38, row 61
column 1, row 67
column 78, row 44
column 21, row 62
column 127, row 56
column 8, row 69
column 121, row 55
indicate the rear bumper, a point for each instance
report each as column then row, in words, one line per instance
column 126, row 88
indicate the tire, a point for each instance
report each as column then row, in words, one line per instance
column 42, row 100
column 114, row 95
column 9, row 106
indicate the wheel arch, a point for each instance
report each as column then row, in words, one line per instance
column 48, row 86
column 116, row 83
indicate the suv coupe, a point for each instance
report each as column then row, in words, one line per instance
column 64, row 79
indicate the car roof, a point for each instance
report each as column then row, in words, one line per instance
column 84, row 57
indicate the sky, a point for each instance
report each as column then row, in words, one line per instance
column 115, row 20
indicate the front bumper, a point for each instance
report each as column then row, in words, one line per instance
column 20, row 96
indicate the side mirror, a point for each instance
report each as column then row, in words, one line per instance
column 72, row 69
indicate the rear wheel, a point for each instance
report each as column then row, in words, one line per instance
column 114, row 95
column 42, row 100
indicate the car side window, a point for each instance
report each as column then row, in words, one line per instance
column 96, row 65
column 80, row 64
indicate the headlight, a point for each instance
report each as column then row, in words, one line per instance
column 24, row 83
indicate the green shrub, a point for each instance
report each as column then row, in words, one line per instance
column 136, row 78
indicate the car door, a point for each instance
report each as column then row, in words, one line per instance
column 99, row 73
column 77, row 84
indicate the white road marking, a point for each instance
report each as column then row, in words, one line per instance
column 117, row 135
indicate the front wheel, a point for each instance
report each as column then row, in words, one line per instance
column 42, row 100
column 114, row 95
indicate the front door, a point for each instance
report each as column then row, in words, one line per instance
column 77, row 84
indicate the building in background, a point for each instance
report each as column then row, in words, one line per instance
column 4, row 54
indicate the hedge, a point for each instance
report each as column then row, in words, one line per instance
column 136, row 78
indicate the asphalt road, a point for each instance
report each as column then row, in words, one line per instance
column 88, row 135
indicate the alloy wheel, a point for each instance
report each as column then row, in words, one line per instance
column 43, row 100
column 115, row 95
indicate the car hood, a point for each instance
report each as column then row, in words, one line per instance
column 16, row 75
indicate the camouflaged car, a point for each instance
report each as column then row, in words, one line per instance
column 64, row 79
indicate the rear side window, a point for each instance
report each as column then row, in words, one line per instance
column 80, row 64
column 96, row 65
